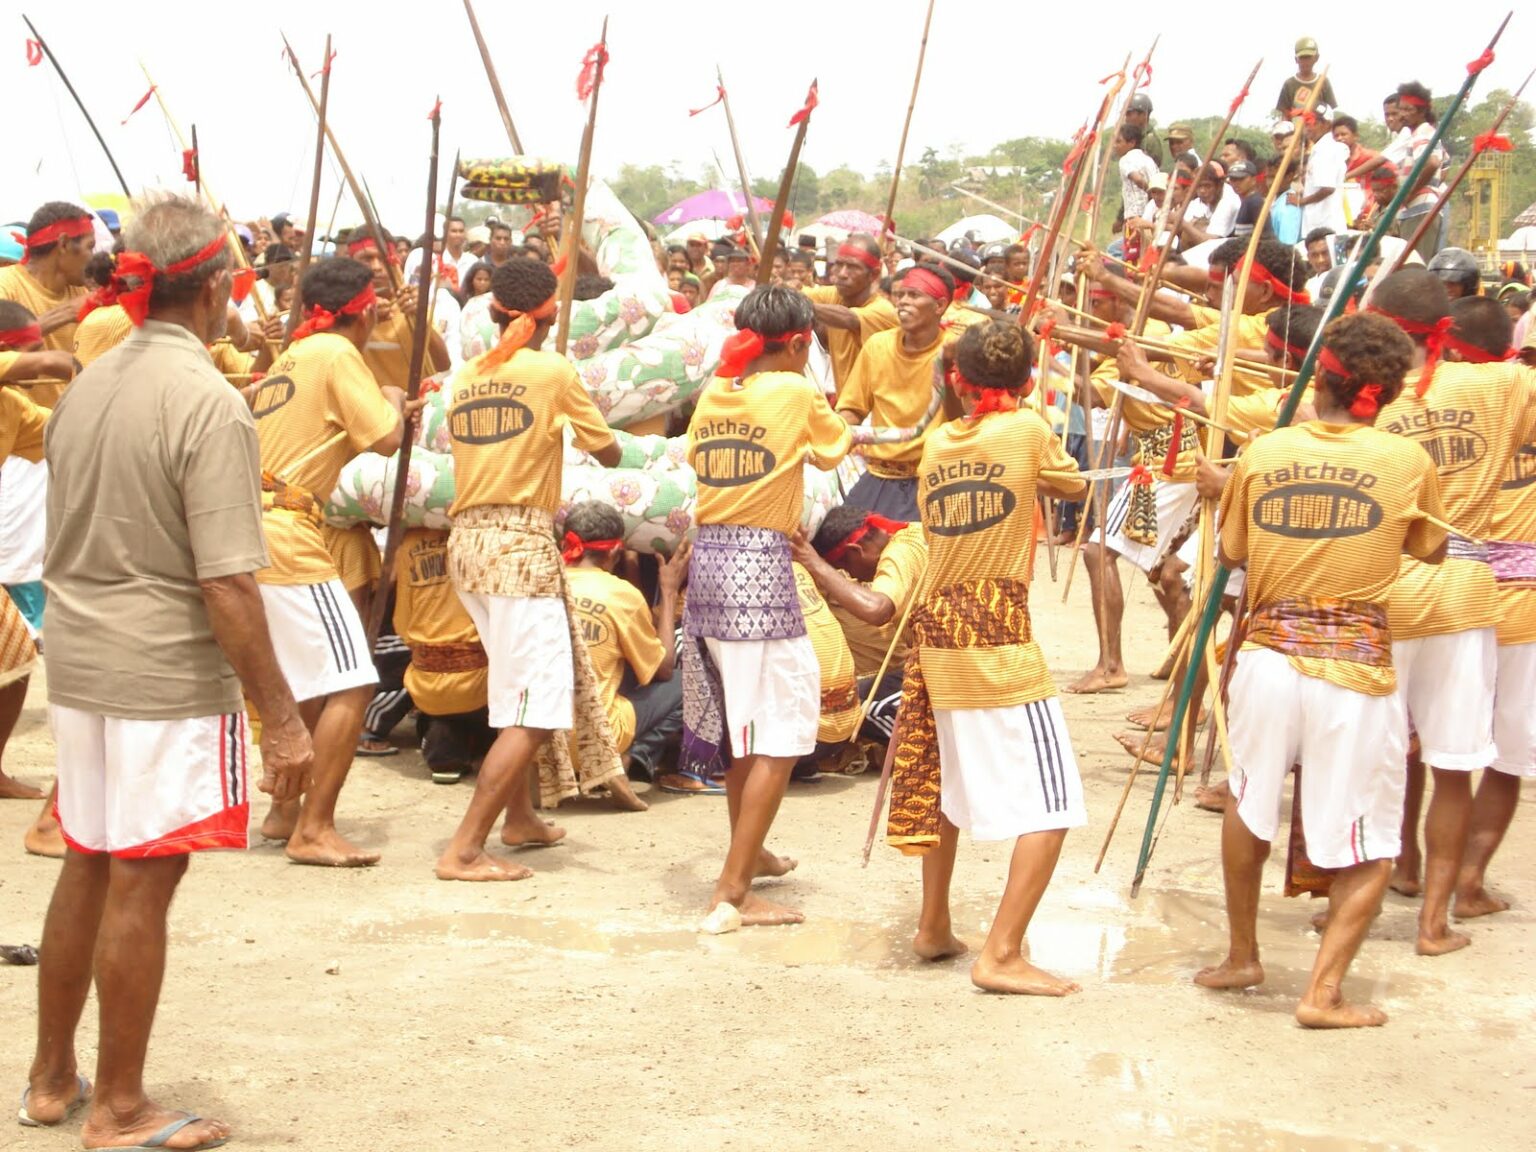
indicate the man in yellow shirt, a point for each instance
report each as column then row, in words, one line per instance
column 633, row 647
column 317, row 409
column 850, row 310
column 839, row 685
column 893, row 384
column 1322, row 514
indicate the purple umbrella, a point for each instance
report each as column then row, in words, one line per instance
column 853, row 220
column 712, row 205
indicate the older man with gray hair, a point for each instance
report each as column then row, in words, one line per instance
column 154, row 624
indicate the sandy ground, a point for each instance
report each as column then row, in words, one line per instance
column 385, row 1010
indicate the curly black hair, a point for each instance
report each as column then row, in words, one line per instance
column 841, row 523
column 1281, row 261
column 997, row 354
column 523, row 285
column 1483, row 322
column 1414, row 294
column 332, row 283
column 774, row 313
column 592, row 520
column 1373, row 350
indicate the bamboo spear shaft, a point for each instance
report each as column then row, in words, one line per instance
column 906, row 126
column 753, row 218
column 79, row 103
column 490, row 74
column 313, row 219
column 395, row 527
column 571, row 249
column 1335, row 307
column 786, row 184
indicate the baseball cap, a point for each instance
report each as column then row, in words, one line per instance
column 1242, row 170
column 479, row 234
column 280, row 219
column 1281, row 128
column 109, row 218
column 1306, row 46
column 244, row 233
column 1158, row 182
column 1140, row 102
column 994, row 252
column 735, row 253
column 1180, row 132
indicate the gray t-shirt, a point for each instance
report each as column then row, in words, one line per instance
column 154, row 484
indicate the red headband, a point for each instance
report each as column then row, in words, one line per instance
column 1366, row 403
column 573, row 547
column 1434, row 341
column 1413, row 101
column 1263, row 275
column 318, row 318
column 359, row 246
column 927, row 283
column 1279, row 345
column 21, row 337
column 873, row 521
column 988, row 400
column 133, row 281
column 745, row 346
column 858, row 256
column 1471, row 353
column 70, row 229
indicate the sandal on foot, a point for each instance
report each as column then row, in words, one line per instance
column 81, row 1099
column 158, row 1140
column 378, row 748
column 685, row 784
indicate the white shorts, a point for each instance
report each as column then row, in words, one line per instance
column 23, row 522
column 139, row 788
column 319, row 640
column 1189, row 552
column 1007, row 772
column 1176, row 503
column 1514, row 710
column 1446, row 683
column 531, row 678
column 1352, row 749
column 772, row 691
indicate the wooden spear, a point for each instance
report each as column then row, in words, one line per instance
column 906, row 126
column 79, row 103
column 571, row 249
column 490, row 74
column 313, row 219
column 395, row 528
column 786, row 183
column 741, row 163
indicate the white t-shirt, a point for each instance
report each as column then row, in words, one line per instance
column 1224, row 215
column 1418, row 140
column 1133, row 195
column 1326, row 164
column 466, row 260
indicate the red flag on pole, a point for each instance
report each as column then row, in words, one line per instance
column 592, row 65
column 811, row 100
column 719, row 96
column 34, row 53
column 143, row 100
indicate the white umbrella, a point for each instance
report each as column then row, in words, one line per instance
column 988, row 228
column 709, row 229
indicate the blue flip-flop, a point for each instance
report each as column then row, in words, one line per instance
column 159, row 1138
column 25, row 1120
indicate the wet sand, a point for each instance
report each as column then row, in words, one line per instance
column 385, row 1010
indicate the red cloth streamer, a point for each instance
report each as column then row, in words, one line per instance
column 1238, row 102
column 34, row 53
column 520, row 329
column 874, row 521
column 21, row 337
column 437, row 110
column 988, row 400
column 573, row 547
column 1279, row 345
column 189, row 167
column 743, row 347
column 133, row 281
column 926, row 283
column 1492, row 142
column 70, row 229
column 1115, row 331
column 1142, row 74
column 859, row 256
column 1481, row 62
column 143, row 100
column 324, row 68
column 812, row 99
column 1476, row 354
column 1087, row 202
column 719, row 97
column 318, row 318
column 1028, row 234
column 1139, row 475
column 244, row 281
column 1112, row 76
column 1366, row 402
column 592, row 65
column 1171, row 460
column 1046, row 328
column 1080, row 145
column 1434, row 341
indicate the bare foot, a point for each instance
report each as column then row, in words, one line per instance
column 1320, row 921
column 1405, row 879
column 1477, row 902
column 534, row 834
column 451, row 866
column 1438, row 945
column 1132, row 742
column 623, row 796
column 280, row 821
column 1156, row 719
column 1018, row 977
column 1213, row 799
column 12, row 789
column 941, row 945
column 329, row 850
column 769, row 865
column 759, row 913
column 45, row 840
column 103, row 1130
column 1230, row 975
column 1098, row 680
column 1340, row 1014
column 45, row 1105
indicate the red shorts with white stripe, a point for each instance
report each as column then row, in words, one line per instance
column 140, row 788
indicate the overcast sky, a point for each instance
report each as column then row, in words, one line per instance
column 995, row 70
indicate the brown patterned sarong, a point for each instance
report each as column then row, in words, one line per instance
column 1324, row 627
column 1141, row 511
column 984, row 613
column 509, row 550
column 18, row 651
column 277, row 493
column 840, row 698
column 466, row 657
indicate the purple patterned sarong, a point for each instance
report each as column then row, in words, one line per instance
column 1512, row 561
column 740, row 587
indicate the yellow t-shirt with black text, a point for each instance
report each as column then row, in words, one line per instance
column 839, row 685
column 1514, row 520
column 428, row 611
column 897, row 577
column 619, row 630
column 893, row 387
